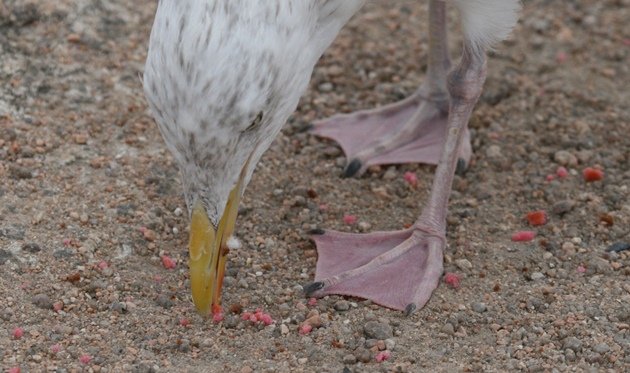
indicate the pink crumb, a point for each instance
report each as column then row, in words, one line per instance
column 382, row 356
column 550, row 178
column 85, row 359
column 562, row 172
column 102, row 265
column 57, row 306
column 323, row 207
column 66, row 241
column 305, row 329
column 537, row 218
column 411, row 178
column 217, row 313
column 592, row 174
column 266, row 319
column 55, row 349
column 349, row 219
column 18, row 333
column 246, row 316
column 168, row 262
column 14, row 370
column 523, row 236
column 581, row 269
column 142, row 229
column 561, row 57
column 184, row 322
column 217, row 317
column 312, row 302
column 451, row 280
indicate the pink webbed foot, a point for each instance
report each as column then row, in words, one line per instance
column 397, row 269
column 409, row 131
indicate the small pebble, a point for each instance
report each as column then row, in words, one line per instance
column 349, row 359
column 42, row 301
column 341, row 305
column 601, row 348
column 479, row 307
column 572, row 343
column 377, row 330
column 537, row 276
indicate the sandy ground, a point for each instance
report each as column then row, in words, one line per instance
column 90, row 200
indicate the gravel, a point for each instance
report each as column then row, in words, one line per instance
column 85, row 174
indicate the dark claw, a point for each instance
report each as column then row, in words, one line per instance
column 410, row 309
column 461, row 167
column 317, row 231
column 313, row 287
column 353, row 167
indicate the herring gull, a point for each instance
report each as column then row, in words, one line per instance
column 221, row 79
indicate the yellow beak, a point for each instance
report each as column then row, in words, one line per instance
column 208, row 252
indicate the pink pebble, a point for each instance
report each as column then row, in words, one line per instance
column 102, row 265
column 411, row 178
column 312, row 302
column 550, row 178
column 523, row 236
column 323, row 207
column 184, row 322
column 562, row 172
column 245, row 316
column 18, row 333
column 451, row 280
column 14, row 370
column 57, row 306
column 581, row 269
column 349, row 219
column 383, row 355
column 85, row 359
column 55, row 349
column 253, row 317
column 66, row 241
column 305, row 329
column 168, row 262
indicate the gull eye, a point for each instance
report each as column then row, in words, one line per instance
column 256, row 122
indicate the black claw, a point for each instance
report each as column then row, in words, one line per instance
column 410, row 309
column 461, row 167
column 316, row 231
column 353, row 167
column 313, row 287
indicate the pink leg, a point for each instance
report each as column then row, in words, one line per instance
column 401, row 269
column 409, row 131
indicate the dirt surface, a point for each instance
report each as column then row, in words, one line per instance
column 90, row 201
